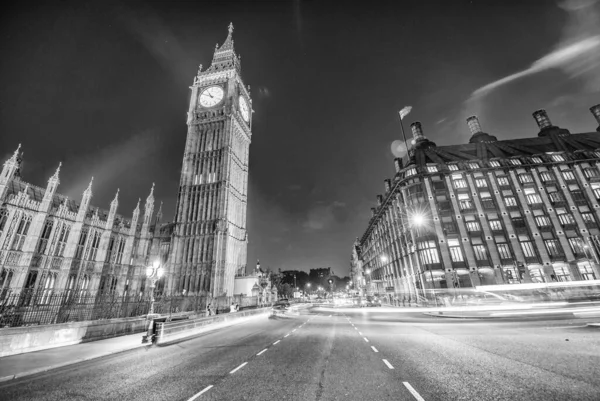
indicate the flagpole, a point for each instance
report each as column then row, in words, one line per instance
column 403, row 136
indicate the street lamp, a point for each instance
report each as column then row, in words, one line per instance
column 154, row 273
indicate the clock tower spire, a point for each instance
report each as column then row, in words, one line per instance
column 210, row 239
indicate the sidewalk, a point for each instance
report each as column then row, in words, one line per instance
column 15, row 366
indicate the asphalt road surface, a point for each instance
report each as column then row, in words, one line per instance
column 345, row 354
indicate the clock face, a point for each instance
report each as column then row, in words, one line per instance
column 211, row 96
column 244, row 109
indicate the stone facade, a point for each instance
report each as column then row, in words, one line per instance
column 210, row 239
column 49, row 243
column 53, row 244
column 487, row 212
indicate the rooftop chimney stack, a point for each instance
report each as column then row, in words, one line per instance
column 379, row 200
column 474, row 125
column 398, row 164
column 388, row 185
column 417, row 131
column 596, row 112
column 373, row 212
column 542, row 120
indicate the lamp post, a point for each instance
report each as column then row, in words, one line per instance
column 154, row 273
column 418, row 220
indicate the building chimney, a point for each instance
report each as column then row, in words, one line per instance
column 474, row 125
column 373, row 212
column 542, row 120
column 379, row 200
column 388, row 185
column 596, row 112
column 398, row 164
column 417, row 131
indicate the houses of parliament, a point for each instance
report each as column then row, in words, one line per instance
column 54, row 244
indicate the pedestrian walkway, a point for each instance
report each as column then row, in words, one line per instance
column 15, row 366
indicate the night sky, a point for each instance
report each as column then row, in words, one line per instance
column 104, row 88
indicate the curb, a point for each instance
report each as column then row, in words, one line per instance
column 457, row 316
column 60, row 365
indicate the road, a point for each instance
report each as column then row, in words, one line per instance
column 345, row 354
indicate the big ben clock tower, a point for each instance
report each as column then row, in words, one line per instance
column 210, row 239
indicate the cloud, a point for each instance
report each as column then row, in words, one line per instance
column 323, row 216
column 577, row 53
column 294, row 187
column 106, row 164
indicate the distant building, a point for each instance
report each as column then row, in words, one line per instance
column 487, row 212
column 320, row 272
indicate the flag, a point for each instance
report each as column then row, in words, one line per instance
column 404, row 112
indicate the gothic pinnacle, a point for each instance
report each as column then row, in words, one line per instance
column 55, row 176
column 230, row 28
column 116, row 199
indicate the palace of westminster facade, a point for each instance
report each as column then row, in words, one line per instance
column 489, row 212
column 50, row 243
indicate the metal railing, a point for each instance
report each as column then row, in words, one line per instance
column 46, row 307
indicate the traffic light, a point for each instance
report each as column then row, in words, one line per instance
column 330, row 281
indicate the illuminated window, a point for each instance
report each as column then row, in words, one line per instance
column 565, row 217
column 577, row 245
column 432, row 169
column 557, row 158
column 473, row 226
column 596, row 190
column 568, row 175
column 480, row 252
column 515, row 162
column 510, row 201
column 543, row 221
column 532, row 196
column 588, row 218
column 591, row 172
column 504, row 251
column 473, row 166
column 495, row 225
column 455, row 251
column 527, row 246
column 546, row 176
column 410, row 172
column 503, row 181
column 553, row 247
column 481, row 183
column 428, row 252
column 536, row 160
column 525, row 178
column 452, row 167
column 464, row 202
column 494, row 163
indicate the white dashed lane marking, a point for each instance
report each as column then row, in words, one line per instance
column 238, row 368
column 366, row 339
column 276, row 342
column 389, row 365
column 286, row 335
column 264, row 350
column 374, row 349
column 200, row 393
column 413, row 391
column 360, row 333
